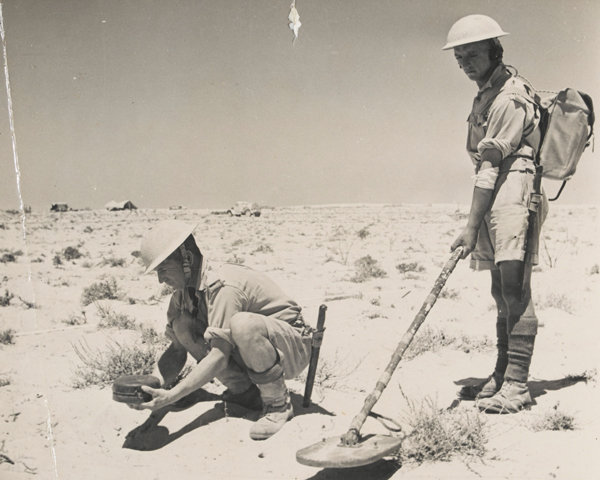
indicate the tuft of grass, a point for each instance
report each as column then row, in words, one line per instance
column 7, row 337
column 561, row 301
column 432, row 340
column 410, row 267
column 102, row 367
column 104, row 290
column 4, row 380
column 450, row 294
column 113, row 262
column 441, row 435
column 5, row 300
column 88, row 229
column 10, row 255
column 554, row 420
column 111, row 319
column 56, row 261
column 165, row 291
column 263, row 248
column 594, row 269
column 75, row 319
column 151, row 337
column 27, row 303
column 366, row 269
column 71, row 253
column 330, row 372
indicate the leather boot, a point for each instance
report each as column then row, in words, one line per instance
column 277, row 407
column 514, row 394
column 490, row 386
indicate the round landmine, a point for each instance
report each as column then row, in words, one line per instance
column 128, row 388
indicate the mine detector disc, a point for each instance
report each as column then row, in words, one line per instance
column 331, row 453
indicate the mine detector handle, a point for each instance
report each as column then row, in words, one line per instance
column 317, row 340
column 351, row 437
column 531, row 239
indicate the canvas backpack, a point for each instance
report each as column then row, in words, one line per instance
column 566, row 127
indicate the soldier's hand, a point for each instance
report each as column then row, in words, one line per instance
column 160, row 398
column 467, row 239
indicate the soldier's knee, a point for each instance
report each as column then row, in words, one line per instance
column 244, row 326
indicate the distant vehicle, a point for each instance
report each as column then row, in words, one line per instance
column 244, row 208
column 59, row 207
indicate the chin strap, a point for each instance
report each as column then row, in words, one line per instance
column 187, row 271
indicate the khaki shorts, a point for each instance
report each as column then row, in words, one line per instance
column 503, row 231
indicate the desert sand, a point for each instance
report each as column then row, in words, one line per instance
column 51, row 430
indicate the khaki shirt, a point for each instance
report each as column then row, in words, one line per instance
column 223, row 291
column 503, row 117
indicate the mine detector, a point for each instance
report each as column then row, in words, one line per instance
column 353, row 449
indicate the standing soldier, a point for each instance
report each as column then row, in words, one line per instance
column 236, row 323
column 503, row 139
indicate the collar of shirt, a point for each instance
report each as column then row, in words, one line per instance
column 499, row 73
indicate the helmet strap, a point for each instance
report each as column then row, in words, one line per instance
column 187, row 271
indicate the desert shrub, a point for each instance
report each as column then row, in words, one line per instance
column 331, row 371
column 5, row 300
column 27, row 303
column 87, row 264
column 410, row 267
column 561, row 301
column 88, row 229
column 165, row 291
column 104, row 290
column 441, row 435
column 13, row 212
column 554, row 420
column 10, row 256
column 102, row 367
column 71, row 253
column 237, row 243
column 37, row 260
column 237, row 260
column 56, row 261
column 113, row 262
column 345, row 240
column 135, row 253
column 429, row 339
column 263, row 248
column 111, row 319
column 4, row 380
column 7, row 337
column 595, row 269
column 151, row 336
column 366, row 269
column 75, row 319
column 449, row 293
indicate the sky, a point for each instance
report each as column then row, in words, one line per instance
column 204, row 103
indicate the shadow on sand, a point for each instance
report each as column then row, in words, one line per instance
column 379, row 470
column 151, row 436
column 537, row 388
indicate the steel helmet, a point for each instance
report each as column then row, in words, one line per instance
column 162, row 241
column 473, row 28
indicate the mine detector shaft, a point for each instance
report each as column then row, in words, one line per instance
column 532, row 239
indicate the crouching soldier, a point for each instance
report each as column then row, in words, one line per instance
column 236, row 323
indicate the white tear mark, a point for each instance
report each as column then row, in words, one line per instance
column 294, row 18
column 51, row 438
column 14, row 141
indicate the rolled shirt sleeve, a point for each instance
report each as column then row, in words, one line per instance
column 506, row 121
column 229, row 301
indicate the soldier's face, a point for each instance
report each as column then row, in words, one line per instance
column 474, row 59
column 171, row 272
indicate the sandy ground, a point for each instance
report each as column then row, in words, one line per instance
column 51, row 430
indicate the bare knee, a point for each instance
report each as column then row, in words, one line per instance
column 246, row 327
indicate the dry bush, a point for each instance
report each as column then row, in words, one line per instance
column 4, row 380
column 7, row 337
column 71, row 253
column 441, row 435
column 75, row 319
column 366, row 269
column 330, row 372
column 113, row 262
column 449, row 293
column 262, row 248
column 561, row 301
column 410, row 267
column 6, row 298
column 111, row 319
column 554, row 420
column 345, row 240
column 10, row 255
column 429, row 339
column 594, row 269
column 103, row 367
column 104, row 290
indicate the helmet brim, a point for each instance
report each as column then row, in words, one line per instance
column 170, row 248
column 479, row 38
